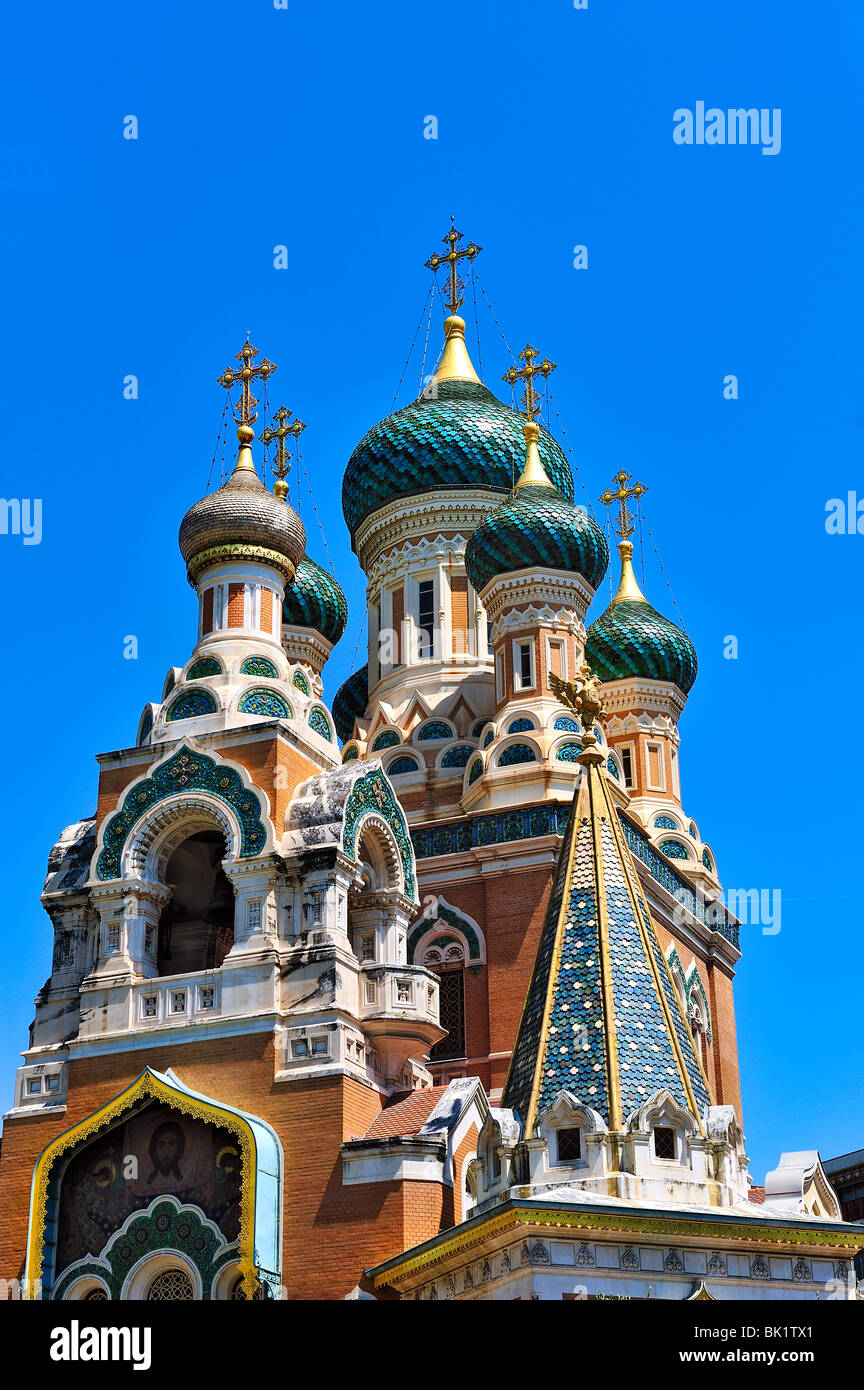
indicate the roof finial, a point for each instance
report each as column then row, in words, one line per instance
column 530, row 398
column 625, row 524
column 451, row 259
column 533, row 474
column 584, row 700
column 282, row 462
column 250, row 371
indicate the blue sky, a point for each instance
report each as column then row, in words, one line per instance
column 303, row 127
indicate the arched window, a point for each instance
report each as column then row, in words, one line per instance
column 447, row 958
column 171, row 1286
column 196, row 929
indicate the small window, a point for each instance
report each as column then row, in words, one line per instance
column 300, row 1048
column 150, row 1006
column 664, row 1142
column 557, row 659
column 426, row 620
column 178, row 1001
column 654, row 758
column 499, row 676
column 34, row 1086
column 569, row 1145
column 52, row 1083
column 319, row 1047
column 524, row 664
column 208, row 996
column 627, row 765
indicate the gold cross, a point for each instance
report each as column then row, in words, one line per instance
column 282, row 462
column 626, row 520
column 452, row 257
column 247, row 373
column 527, row 374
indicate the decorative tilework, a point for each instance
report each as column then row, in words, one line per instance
column 612, row 766
column 463, row 437
column 673, row 849
column 388, row 739
column 204, row 666
column 632, row 639
column 665, row 823
column 692, row 829
column 191, row 704
column 489, row 737
column 314, row 599
column 320, row 723
column 568, row 752
column 476, row 771
column 350, row 701
column 146, row 726
column 185, row 771
column 349, row 755
column 374, row 793
column 259, row 666
column 561, row 1040
column 706, row 860
column 478, row 728
column 454, row 919
column 170, row 682
column 517, row 753
column 568, row 724
column 457, row 756
column 521, row 726
column 262, row 701
column 436, row 728
column 536, row 526
column 547, row 819
column 402, row 765
column 661, row 870
column 299, row 680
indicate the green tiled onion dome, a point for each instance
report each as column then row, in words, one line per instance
column 462, row 437
column 314, row 599
column 632, row 639
column 536, row 526
column 242, row 520
column 350, row 701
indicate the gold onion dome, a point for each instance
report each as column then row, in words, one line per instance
column 242, row 521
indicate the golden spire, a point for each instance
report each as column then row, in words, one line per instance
column 624, row 525
column 451, row 259
column 455, row 364
column 533, row 474
column 282, row 462
column 530, row 399
column 249, row 372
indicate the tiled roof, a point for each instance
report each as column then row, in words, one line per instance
column 536, row 526
column 314, row 599
column 757, row 1195
column 406, row 1116
column 632, row 639
column 602, row 1018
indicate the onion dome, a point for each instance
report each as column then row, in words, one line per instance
column 536, row 526
column 632, row 639
column 350, row 701
column 455, row 435
column 314, row 599
column 242, row 521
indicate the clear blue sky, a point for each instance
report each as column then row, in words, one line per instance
column 304, row 127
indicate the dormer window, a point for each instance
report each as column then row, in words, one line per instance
column 664, row 1143
column 569, row 1145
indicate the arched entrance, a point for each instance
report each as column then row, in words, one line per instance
column 196, row 928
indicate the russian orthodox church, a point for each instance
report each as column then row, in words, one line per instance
column 444, row 1014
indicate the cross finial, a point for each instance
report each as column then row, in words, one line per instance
column 532, row 368
column 451, row 259
column 625, row 523
column 249, row 372
column 280, row 433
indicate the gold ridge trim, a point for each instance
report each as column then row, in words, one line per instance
column 632, row 1225
column 616, row 1118
column 238, row 550
column 148, row 1086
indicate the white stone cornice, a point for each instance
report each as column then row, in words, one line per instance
column 634, row 693
column 543, row 589
column 398, row 559
column 425, row 513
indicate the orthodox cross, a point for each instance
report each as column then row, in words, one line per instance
column 282, row 462
column 452, row 258
column 248, row 373
column 622, row 494
column 527, row 374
